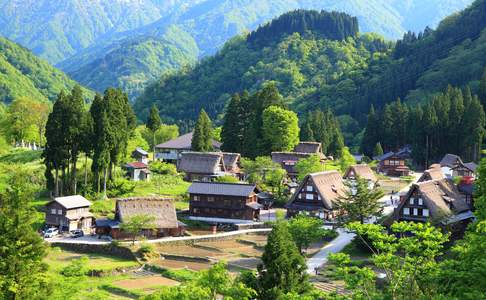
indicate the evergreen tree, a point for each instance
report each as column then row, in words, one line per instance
column 306, row 133
column 22, row 271
column 202, row 137
column 370, row 137
column 153, row 123
column 482, row 89
column 283, row 269
column 55, row 153
column 232, row 133
column 359, row 201
column 378, row 150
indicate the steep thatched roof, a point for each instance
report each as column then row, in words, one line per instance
column 308, row 147
column 440, row 196
column 329, row 185
column 201, row 162
column 363, row 171
column 231, row 161
column 432, row 174
column 162, row 209
column 288, row 159
column 450, row 160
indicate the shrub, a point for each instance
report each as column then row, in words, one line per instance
column 163, row 168
column 227, row 179
column 76, row 268
column 120, row 187
column 146, row 251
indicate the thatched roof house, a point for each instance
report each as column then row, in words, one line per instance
column 433, row 173
column 316, row 194
column 200, row 165
column 434, row 199
column 309, row 147
column 362, row 171
column 288, row 160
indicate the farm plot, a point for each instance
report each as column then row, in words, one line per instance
column 172, row 264
column 145, row 282
column 188, row 250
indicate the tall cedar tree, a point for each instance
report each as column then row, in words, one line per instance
column 232, row 133
column 55, row 153
column 22, row 271
column 202, row 137
column 153, row 123
column 306, row 133
column 378, row 150
column 283, row 269
column 482, row 89
column 326, row 130
column 102, row 140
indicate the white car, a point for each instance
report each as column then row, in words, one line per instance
column 51, row 232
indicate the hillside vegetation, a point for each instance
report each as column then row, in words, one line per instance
column 24, row 74
column 346, row 75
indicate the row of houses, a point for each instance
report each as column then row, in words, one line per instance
column 73, row 212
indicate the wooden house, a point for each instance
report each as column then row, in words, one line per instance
column 203, row 166
column 232, row 164
column 140, row 155
column 137, row 171
column 223, row 202
column 433, row 173
column 453, row 166
column 434, row 201
column 362, row 171
column 171, row 151
column 69, row 213
column 162, row 210
column 393, row 164
column 288, row 160
column 316, row 195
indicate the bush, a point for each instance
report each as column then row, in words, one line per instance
column 76, row 268
column 227, row 179
column 146, row 251
column 120, row 187
column 163, row 168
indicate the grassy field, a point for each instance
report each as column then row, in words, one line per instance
column 121, row 278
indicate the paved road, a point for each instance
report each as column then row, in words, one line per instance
column 334, row 246
column 344, row 238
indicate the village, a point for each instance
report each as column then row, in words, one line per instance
column 226, row 216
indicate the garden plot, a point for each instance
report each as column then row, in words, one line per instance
column 188, row 250
column 172, row 264
column 143, row 283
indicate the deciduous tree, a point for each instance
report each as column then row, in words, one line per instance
column 280, row 129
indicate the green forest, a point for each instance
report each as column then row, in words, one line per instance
column 22, row 74
column 316, row 67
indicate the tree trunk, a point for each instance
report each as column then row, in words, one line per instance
column 63, row 179
column 74, row 171
column 56, row 192
column 85, row 171
column 110, row 171
column 104, row 182
column 153, row 149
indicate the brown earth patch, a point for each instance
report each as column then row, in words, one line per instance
column 145, row 282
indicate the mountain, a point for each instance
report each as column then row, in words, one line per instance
column 313, row 71
column 126, row 43
column 24, row 74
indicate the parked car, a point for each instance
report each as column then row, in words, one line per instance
column 77, row 233
column 51, row 232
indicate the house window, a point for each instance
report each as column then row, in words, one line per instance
column 309, row 188
column 406, row 211
column 425, row 212
column 415, row 212
column 309, row 196
column 412, row 200
column 59, row 211
column 195, row 210
column 210, row 199
column 420, row 201
column 387, row 162
column 53, row 211
column 196, row 198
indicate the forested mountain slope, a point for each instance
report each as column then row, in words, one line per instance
column 125, row 43
column 347, row 75
column 24, row 74
column 303, row 51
